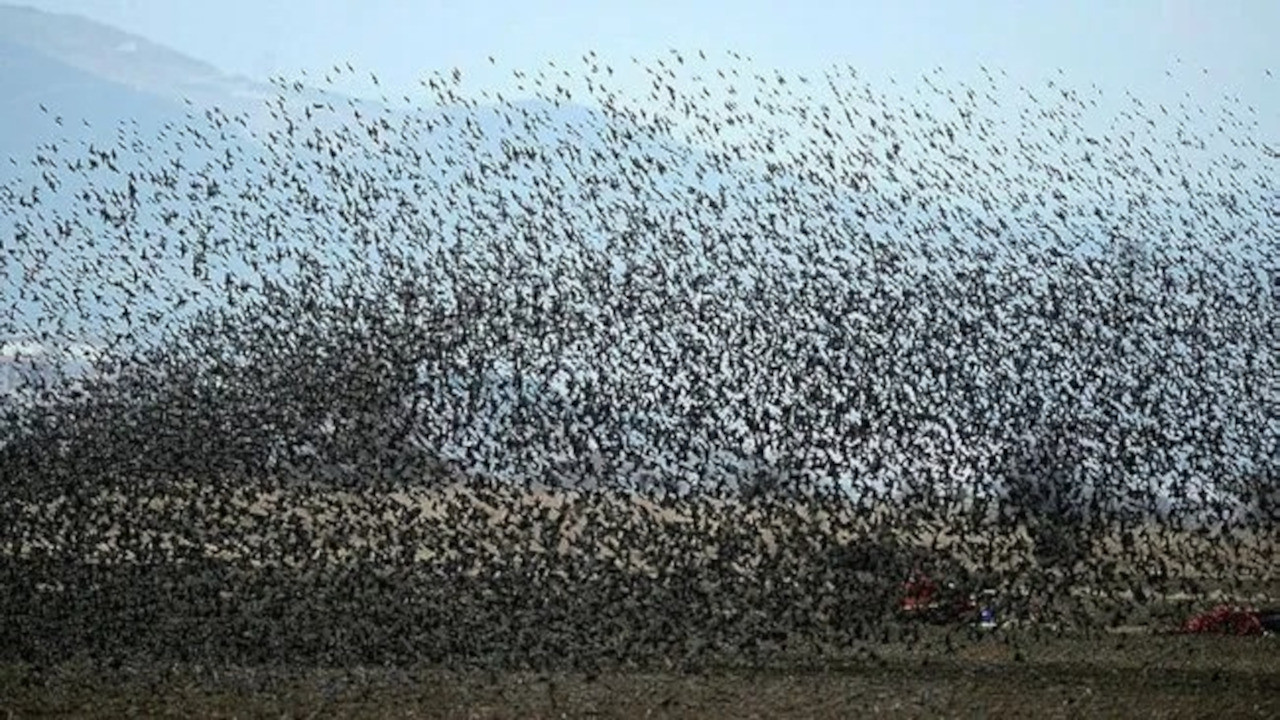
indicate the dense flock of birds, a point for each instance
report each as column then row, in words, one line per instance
column 604, row 378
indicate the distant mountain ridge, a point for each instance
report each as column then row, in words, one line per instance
column 122, row 58
column 114, row 55
column 67, row 78
column 92, row 77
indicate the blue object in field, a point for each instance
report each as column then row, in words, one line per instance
column 987, row 617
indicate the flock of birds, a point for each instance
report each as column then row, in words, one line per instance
column 597, row 378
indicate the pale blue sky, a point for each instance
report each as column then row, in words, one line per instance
column 1116, row 43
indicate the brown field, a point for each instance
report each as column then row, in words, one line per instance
column 1164, row 677
column 1117, row 663
column 428, row 527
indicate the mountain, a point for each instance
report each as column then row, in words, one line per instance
column 117, row 57
column 83, row 71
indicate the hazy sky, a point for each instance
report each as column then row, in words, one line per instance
column 1117, row 43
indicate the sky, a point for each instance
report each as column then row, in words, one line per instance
column 1156, row 46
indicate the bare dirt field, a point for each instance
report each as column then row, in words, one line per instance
column 459, row 602
column 1165, row 677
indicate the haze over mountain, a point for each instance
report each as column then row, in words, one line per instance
column 81, row 70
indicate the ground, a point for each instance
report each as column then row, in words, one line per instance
column 264, row 546
column 1106, row 676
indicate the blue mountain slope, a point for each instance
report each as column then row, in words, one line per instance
column 30, row 79
column 86, row 72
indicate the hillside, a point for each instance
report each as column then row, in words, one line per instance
column 84, row 71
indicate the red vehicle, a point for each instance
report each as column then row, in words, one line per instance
column 924, row 599
column 1233, row 620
